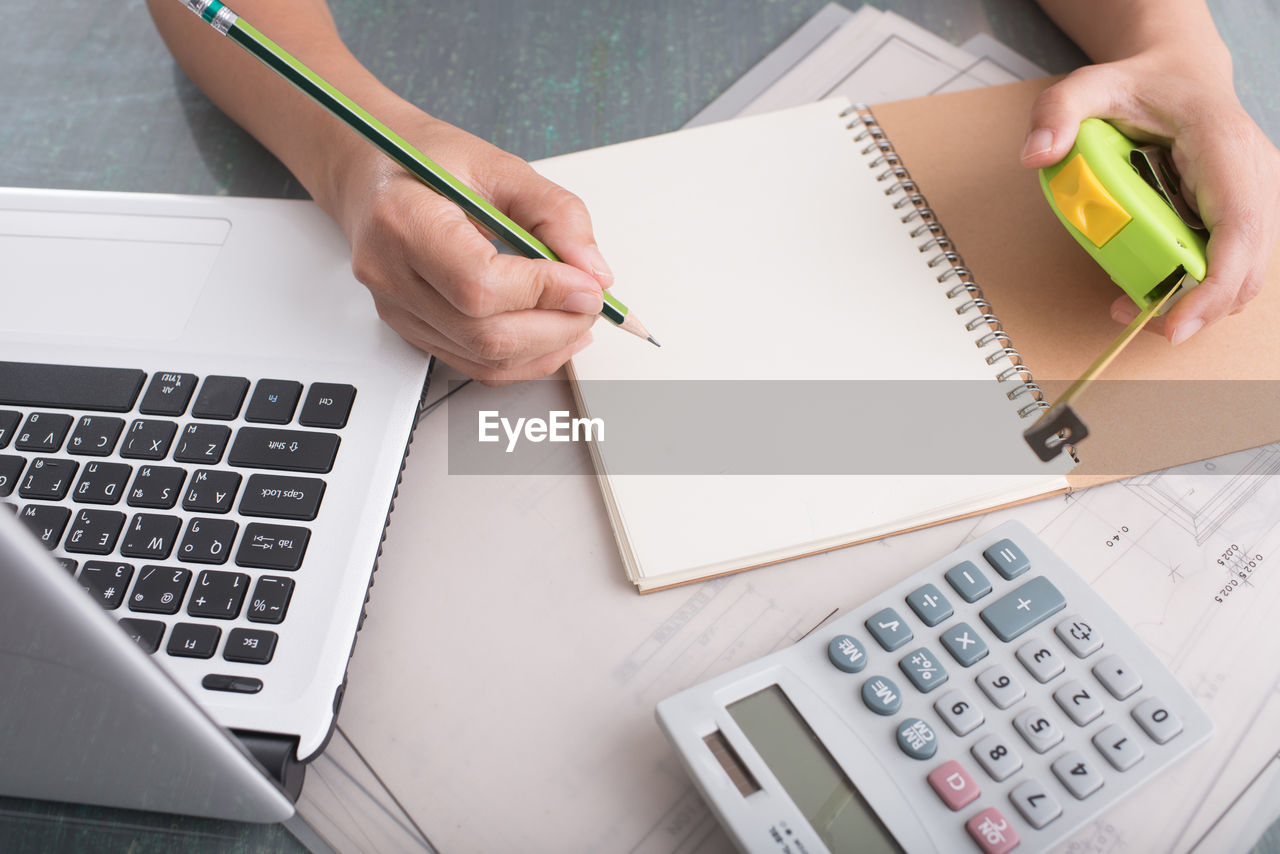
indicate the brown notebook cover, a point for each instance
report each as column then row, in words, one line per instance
column 962, row 150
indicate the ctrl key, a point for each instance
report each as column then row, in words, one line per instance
column 991, row 830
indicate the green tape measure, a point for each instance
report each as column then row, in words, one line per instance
column 1122, row 201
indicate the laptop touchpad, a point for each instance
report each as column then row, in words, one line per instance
column 100, row 274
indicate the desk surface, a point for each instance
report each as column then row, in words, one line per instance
column 93, row 101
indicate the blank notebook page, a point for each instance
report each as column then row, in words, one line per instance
column 764, row 249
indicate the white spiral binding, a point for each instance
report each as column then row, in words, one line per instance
column 915, row 209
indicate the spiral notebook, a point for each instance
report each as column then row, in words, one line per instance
column 776, row 251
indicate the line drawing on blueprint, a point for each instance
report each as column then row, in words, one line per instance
column 1196, row 495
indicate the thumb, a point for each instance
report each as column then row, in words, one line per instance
column 1057, row 113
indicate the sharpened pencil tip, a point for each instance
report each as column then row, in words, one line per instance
column 654, row 341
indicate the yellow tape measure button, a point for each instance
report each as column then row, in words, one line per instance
column 1085, row 203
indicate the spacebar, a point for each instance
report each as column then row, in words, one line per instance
column 69, row 386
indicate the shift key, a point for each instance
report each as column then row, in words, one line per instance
column 287, row 450
column 282, row 496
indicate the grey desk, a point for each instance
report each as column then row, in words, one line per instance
column 92, row 100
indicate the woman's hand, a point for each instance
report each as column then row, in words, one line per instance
column 438, row 280
column 1229, row 169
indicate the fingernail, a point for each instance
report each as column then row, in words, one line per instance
column 1186, row 330
column 599, row 267
column 583, row 302
column 1125, row 313
column 1038, row 142
column 582, row 343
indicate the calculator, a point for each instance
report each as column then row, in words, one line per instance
column 990, row 702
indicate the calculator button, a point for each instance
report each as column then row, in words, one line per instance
column 1000, row 686
column 1041, row 661
column 997, row 757
column 889, row 630
column 967, row 580
column 881, row 695
column 1156, row 720
column 929, row 604
column 1028, row 605
column 1037, row 729
column 1079, row 775
column 1007, row 559
column 964, row 644
column 847, row 653
column 1121, row 751
column 917, row 739
column 954, row 785
column 923, row 669
column 992, row 832
column 1117, row 677
column 1077, row 701
column 1079, row 636
column 1037, row 806
column 959, row 712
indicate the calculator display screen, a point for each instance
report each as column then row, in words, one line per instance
column 815, row 782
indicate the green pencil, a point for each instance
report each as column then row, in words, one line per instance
column 224, row 20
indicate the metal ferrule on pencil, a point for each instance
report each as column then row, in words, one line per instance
column 217, row 14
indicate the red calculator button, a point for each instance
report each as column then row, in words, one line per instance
column 954, row 785
column 992, row 832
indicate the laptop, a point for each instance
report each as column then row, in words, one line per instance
column 202, row 427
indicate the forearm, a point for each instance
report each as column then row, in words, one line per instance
column 1108, row 30
column 313, row 144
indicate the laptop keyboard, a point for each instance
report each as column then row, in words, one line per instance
column 95, row 462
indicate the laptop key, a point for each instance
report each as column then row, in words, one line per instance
column 273, row 401
column 68, row 565
column 48, row 479
column 208, row 540
column 251, row 646
column 46, row 521
column 220, row 398
column 69, row 386
column 286, row 450
column 272, row 546
column 102, row 483
column 168, row 394
column 157, row 487
column 211, row 491
column 106, row 581
column 193, row 640
column 218, row 594
column 10, row 470
column 327, row 405
column 9, row 421
column 202, row 443
column 148, row 440
column 150, row 535
column 43, row 431
column 159, row 589
column 146, row 633
column 270, row 599
column 95, row 436
column 282, row 497
column 94, row 532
